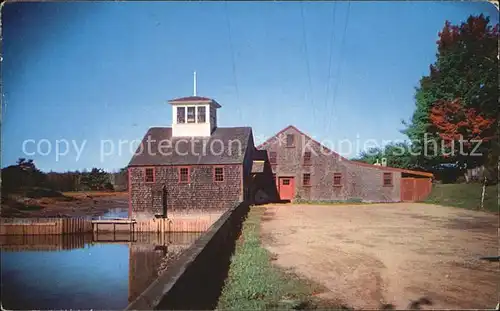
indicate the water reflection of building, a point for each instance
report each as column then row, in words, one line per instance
column 52, row 242
column 147, row 253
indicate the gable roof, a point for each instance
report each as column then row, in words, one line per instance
column 226, row 145
column 269, row 140
column 339, row 157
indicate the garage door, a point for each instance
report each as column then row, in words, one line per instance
column 407, row 189
column 415, row 189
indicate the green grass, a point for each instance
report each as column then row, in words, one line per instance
column 466, row 196
column 254, row 283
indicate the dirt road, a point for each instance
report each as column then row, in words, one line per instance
column 371, row 255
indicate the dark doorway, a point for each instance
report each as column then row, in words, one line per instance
column 164, row 201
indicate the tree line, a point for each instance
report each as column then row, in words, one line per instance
column 454, row 128
column 25, row 175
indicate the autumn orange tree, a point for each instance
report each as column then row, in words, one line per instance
column 459, row 96
column 464, row 132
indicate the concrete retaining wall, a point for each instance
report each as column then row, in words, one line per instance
column 195, row 280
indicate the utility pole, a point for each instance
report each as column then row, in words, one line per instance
column 194, row 83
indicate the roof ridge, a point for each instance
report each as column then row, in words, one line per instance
column 333, row 152
column 232, row 127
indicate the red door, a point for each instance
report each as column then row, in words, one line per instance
column 407, row 189
column 286, row 188
column 423, row 187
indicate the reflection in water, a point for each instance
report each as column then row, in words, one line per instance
column 64, row 272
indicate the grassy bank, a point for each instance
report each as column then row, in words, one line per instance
column 254, row 283
column 464, row 196
column 94, row 194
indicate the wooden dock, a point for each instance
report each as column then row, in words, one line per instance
column 129, row 224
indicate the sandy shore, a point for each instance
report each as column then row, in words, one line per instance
column 75, row 204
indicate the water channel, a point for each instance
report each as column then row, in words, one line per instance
column 75, row 272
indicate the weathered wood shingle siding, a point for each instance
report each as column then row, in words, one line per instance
column 358, row 182
column 201, row 193
column 367, row 184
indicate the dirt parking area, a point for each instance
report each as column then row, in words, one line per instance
column 372, row 255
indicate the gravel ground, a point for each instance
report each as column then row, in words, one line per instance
column 369, row 256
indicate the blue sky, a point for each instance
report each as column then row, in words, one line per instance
column 103, row 71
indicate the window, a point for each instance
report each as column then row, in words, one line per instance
column 306, row 179
column 190, row 114
column 286, row 182
column 290, row 140
column 387, row 179
column 181, row 114
column 337, row 179
column 307, row 158
column 218, row 174
column 272, row 157
column 201, row 115
column 149, row 174
column 184, row 174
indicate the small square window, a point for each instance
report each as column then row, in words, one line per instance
column 219, row 174
column 181, row 114
column 307, row 158
column 190, row 114
column 306, row 179
column 337, row 179
column 272, row 157
column 149, row 174
column 184, row 174
column 290, row 140
column 286, row 182
column 388, row 179
column 201, row 115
